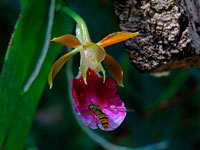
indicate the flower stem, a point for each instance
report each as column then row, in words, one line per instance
column 81, row 23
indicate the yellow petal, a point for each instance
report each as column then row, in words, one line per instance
column 58, row 65
column 116, row 38
column 83, row 69
column 114, row 69
column 68, row 40
column 83, row 66
column 97, row 69
column 103, row 71
column 94, row 52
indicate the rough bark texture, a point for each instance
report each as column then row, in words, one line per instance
column 170, row 33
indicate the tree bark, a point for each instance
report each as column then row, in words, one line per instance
column 170, row 33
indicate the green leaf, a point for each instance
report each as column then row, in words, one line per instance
column 23, row 3
column 27, row 66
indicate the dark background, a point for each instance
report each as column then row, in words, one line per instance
column 166, row 108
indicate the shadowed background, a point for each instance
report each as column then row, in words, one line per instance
column 166, row 108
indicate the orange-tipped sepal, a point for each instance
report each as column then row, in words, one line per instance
column 67, row 40
column 58, row 65
column 114, row 69
column 116, row 38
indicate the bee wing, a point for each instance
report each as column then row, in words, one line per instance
column 117, row 110
column 89, row 119
column 129, row 110
column 86, row 112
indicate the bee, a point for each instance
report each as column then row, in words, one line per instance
column 97, row 110
column 102, row 117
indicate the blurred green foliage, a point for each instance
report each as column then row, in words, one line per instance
column 166, row 108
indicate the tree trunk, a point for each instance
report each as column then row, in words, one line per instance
column 170, row 33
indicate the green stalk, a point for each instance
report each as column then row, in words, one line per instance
column 81, row 23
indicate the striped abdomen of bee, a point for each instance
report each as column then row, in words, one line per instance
column 102, row 117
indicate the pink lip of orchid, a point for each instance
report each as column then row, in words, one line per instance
column 92, row 54
column 103, row 94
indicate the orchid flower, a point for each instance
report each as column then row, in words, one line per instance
column 102, row 94
column 92, row 54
